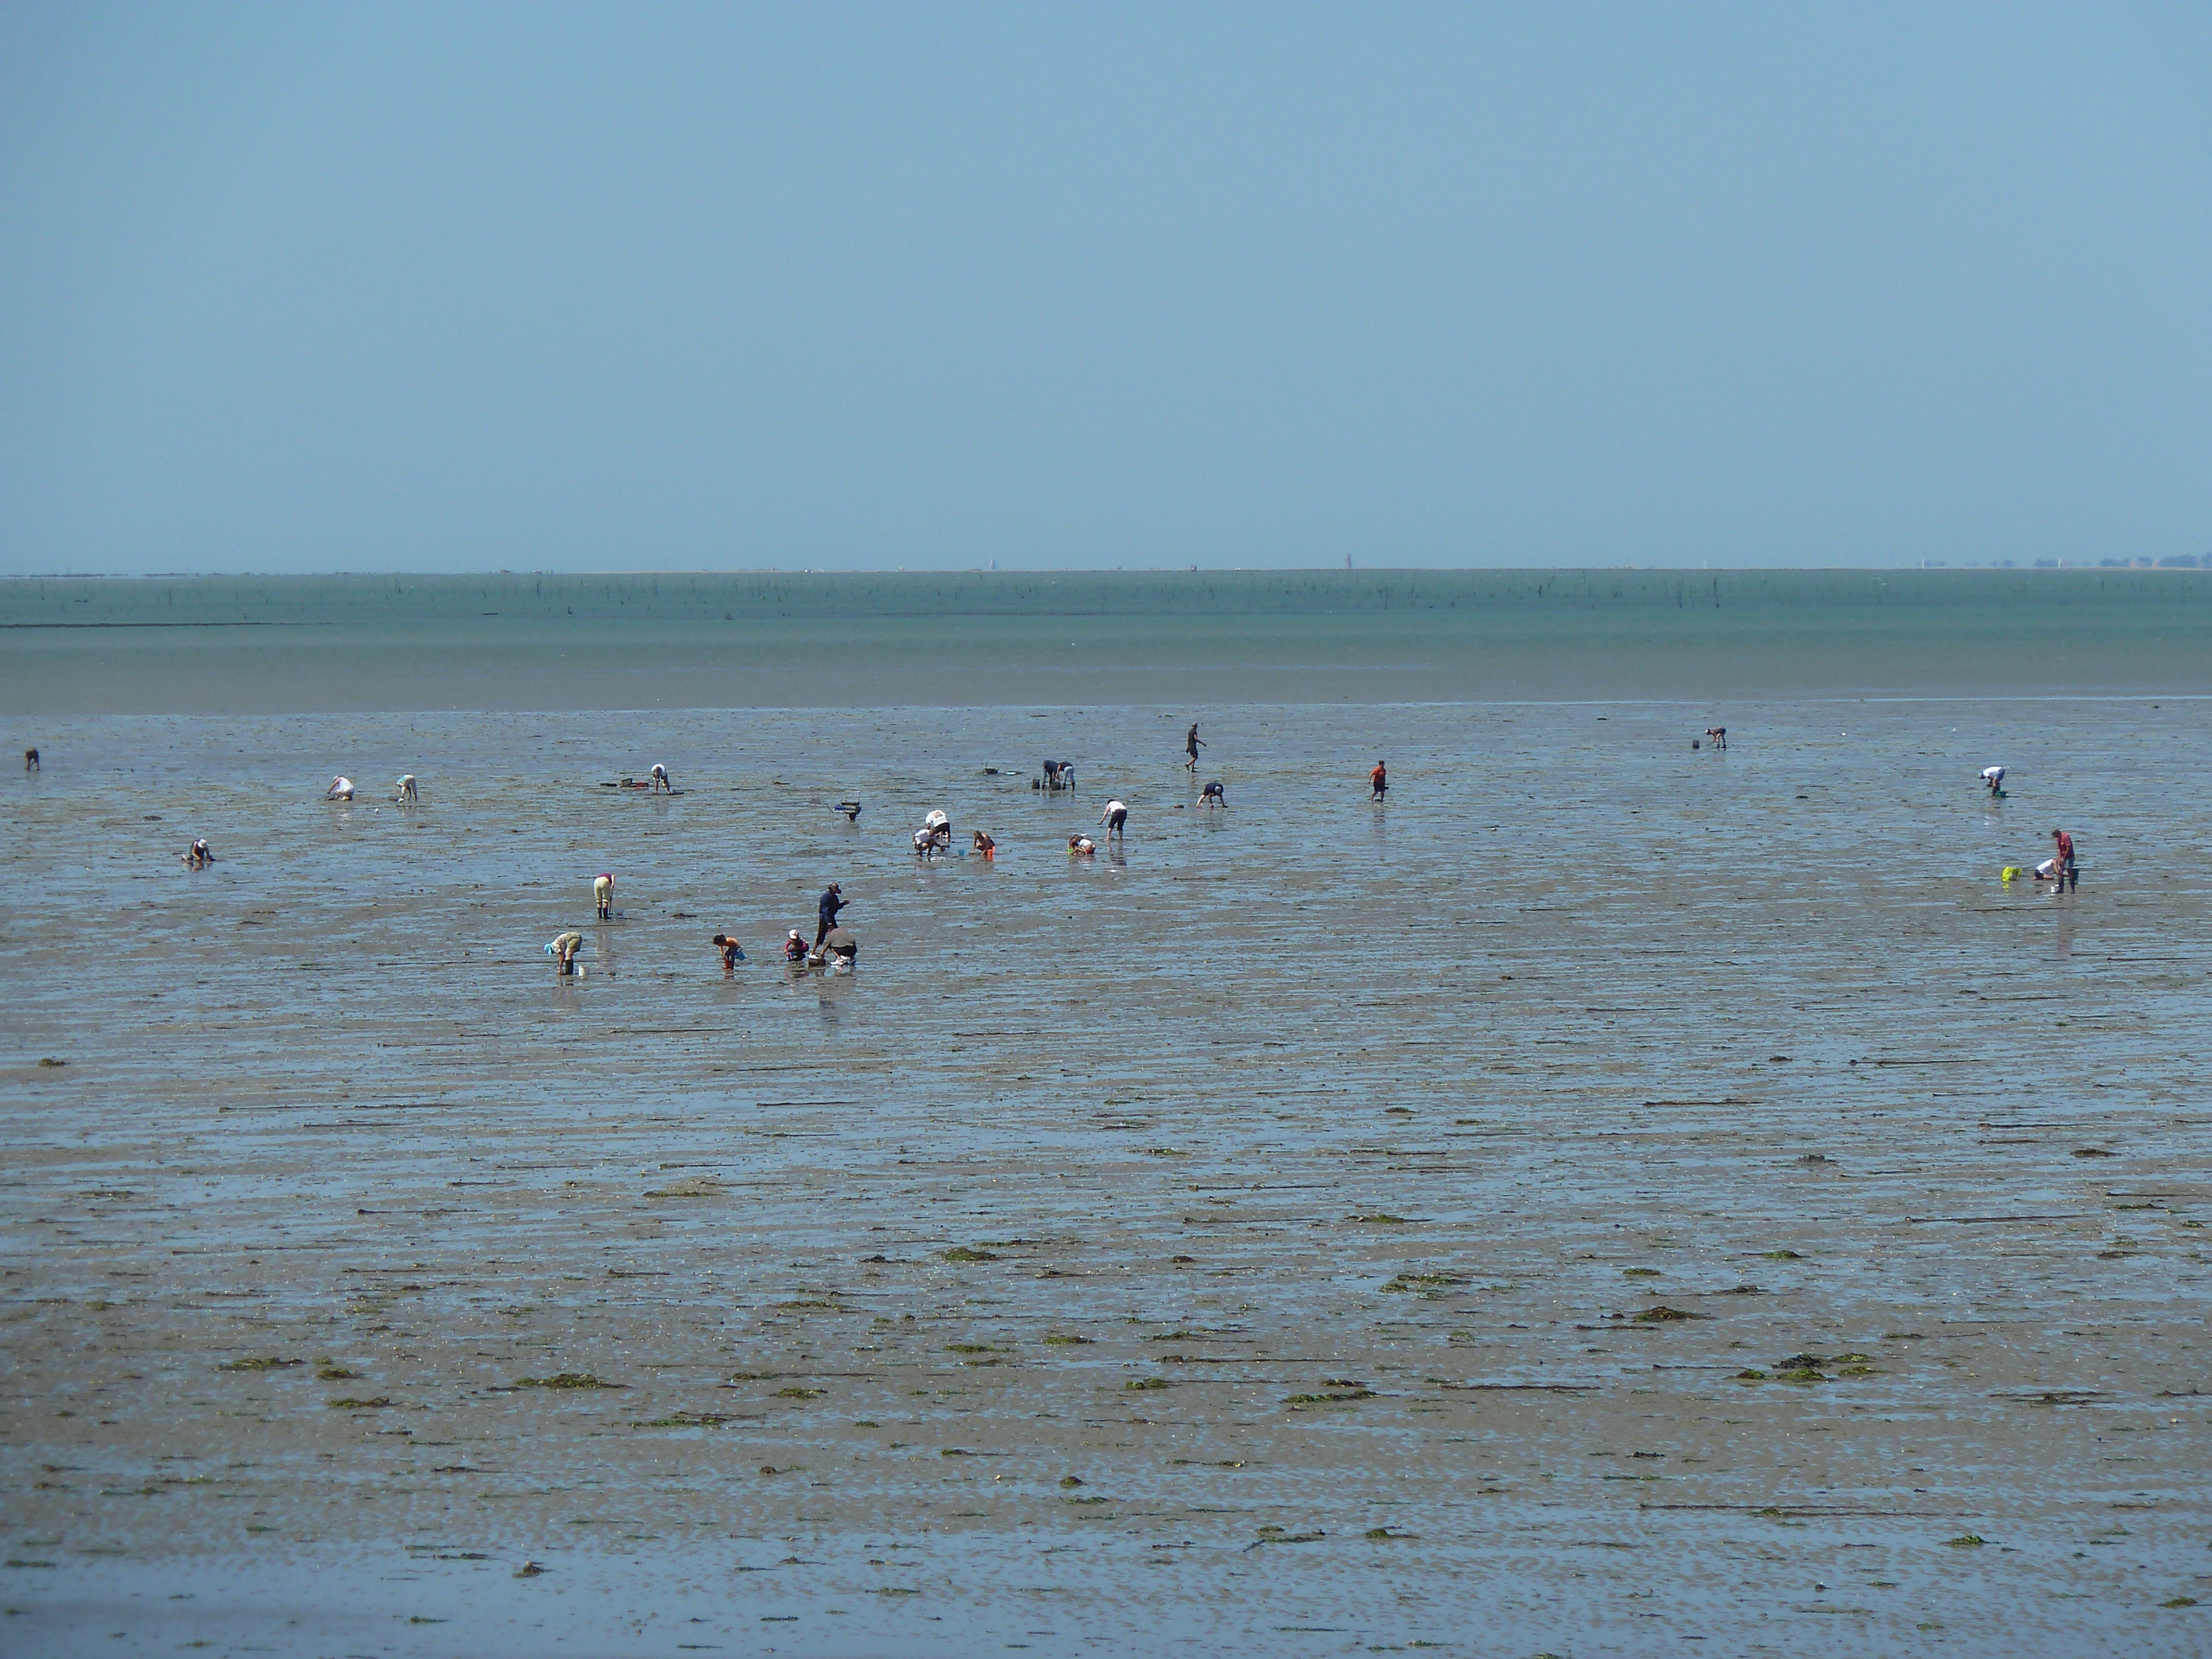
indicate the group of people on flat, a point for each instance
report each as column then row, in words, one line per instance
column 835, row 947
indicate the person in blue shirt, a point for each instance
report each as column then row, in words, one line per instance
column 826, row 912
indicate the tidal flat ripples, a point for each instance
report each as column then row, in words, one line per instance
column 1612, row 1195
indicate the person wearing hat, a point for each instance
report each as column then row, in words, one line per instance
column 794, row 946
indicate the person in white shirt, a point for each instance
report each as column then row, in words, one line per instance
column 660, row 778
column 1993, row 779
column 1113, row 817
column 405, row 784
column 341, row 789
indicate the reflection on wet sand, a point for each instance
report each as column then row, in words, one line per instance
column 1600, row 1209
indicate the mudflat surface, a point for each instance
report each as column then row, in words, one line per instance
column 1612, row 1199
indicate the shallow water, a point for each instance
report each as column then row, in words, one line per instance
column 1411, row 1111
column 284, row 645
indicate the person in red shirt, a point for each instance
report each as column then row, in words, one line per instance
column 2065, row 854
column 1379, row 782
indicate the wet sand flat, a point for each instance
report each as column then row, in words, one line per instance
column 1612, row 1199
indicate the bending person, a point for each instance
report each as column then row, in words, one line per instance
column 341, row 789
column 562, row 948
column 603, row 897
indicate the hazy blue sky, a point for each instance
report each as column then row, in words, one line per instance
column 444, row 287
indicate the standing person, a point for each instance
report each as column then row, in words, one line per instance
column 1114, row 817
column 1191, row 745
column 1993, row 779
column 825, row 913
column 341, row 788
column 562, row 948
column 603, row 897
column 659, row 779
column 2064, row 850
column 1212, row 795
column 1379, row 781
column 30, row 760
